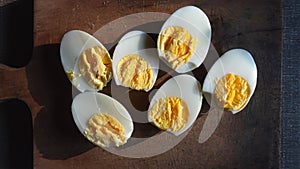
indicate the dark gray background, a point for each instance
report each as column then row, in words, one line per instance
column 290, row 119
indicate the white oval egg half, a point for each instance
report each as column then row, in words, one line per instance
column 140, row 43
column 72, row 45
column 197, row 23
column 236, row 61
column 86, row 104
column 188, row 89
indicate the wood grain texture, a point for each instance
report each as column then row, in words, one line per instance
column 249, row 139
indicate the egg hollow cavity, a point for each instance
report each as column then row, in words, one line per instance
column 134, row 71
column 103, row 129
column 170, row 113
column 95, row 65
column 232, row 92
column 177, row 44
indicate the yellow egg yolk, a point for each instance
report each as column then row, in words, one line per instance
column 71, row 75
column 134, row 71
column 232, row 92
column 102, row 129
column 169, row 113
column 95, row 65
column 177, row 44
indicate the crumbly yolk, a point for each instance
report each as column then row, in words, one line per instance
column 169, row 113
column 177, row 44
column 95, row 65
column 71, row 75
column 134, row 71
column 102, row 129
column 232, row 92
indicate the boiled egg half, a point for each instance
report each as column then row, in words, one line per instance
column 184, row 39
column 135, row 61
column 176, row 104
column 231, row 81
column 85, row 60
column 102, row 119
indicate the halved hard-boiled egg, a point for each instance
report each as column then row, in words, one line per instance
column 86, row 61
column 102, row 119
column 176, row 104
column 184, row 39
column 231, row 81
column 135, row 61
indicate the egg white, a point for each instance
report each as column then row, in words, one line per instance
column 188, row 89
column 136, row 42
column 197, row 23
column 237, row 61
column 72, row 45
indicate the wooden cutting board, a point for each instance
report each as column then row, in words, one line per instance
column 249, row 139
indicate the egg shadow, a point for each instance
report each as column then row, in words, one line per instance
column 55, row 133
